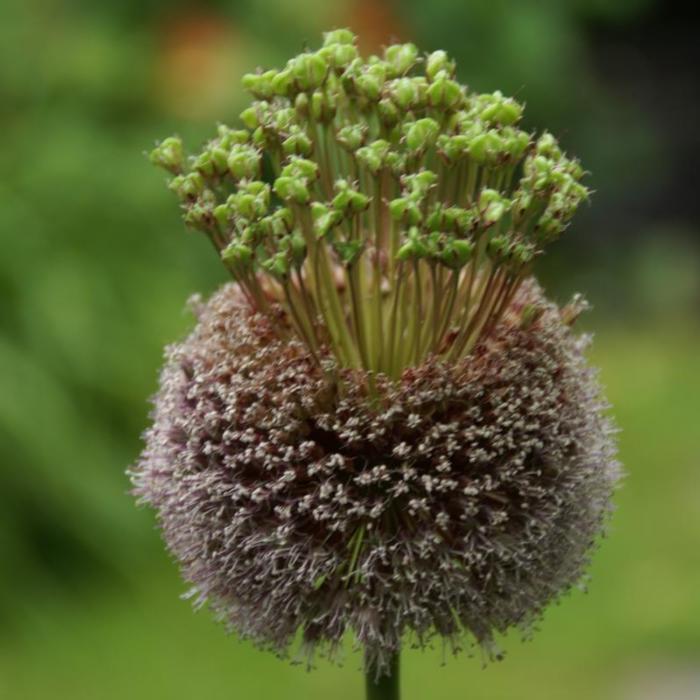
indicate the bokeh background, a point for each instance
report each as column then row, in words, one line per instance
column 95, row 268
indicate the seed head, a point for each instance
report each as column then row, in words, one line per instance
column 381, row 426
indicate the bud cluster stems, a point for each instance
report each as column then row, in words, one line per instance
column 377, row 214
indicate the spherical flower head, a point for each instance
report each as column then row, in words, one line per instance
column 381, row 426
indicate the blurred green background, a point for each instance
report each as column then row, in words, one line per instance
column 96, row 266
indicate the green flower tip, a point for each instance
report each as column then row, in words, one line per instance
column 387, row 210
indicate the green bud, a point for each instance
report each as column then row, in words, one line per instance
column 456, row 253
column 453, row 147
column 352, row 137
column 250, row 117
column 310, row 70
column 516, row 143
column 259, row 138
column 228, row 137
column 283, row 83
column 222, row 214
column 522, row 253
column 187, row 187
column 301, row 105
column 400, row 58
column 323, row 106
column 373, row 156
column 348, row 251
column 349, row 200
column 199, row 216
column 463, row 250
column 414, row 247
column 444, row 93
column 549, row 228
column 547, row 146
column 284, row 119
column 499, row 110
column 168, row 154
column 339, row 36
column 405, row 210
column 238, row 254
column 369, row 85
column 301, row 168
column 277, row 265
column 421, row 134
column 212, row 161
column 408, row 93
column 439, row 62
column 420, row 183
column 339, row 56
column 244, row 162
column 325, row 218
column 497, row 248
column 492, row 206
column 388, row 114
column 292, row 189
column 297, row 143
column 260, row 84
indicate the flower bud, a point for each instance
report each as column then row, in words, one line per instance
column 348, row 251
column 283, row 83
column 407, row 93
column 301, row 168
column 323, row 106
column 228, row 137
column 339, row 36
column 187, row 187
column 238, row 254
column 325, row 218
column 400, row 58
column 277, row 265
column 244, row 162
column 309, row 70
column 500, row 110
column 373, row 156
column 492, row 206
column 349, row 200
column 421, row 134
column 292, row 189
column 369, row 85
column 405, row 210
column 260, row 85
column 387, row 112
column 297, row 143
column 444, row 93
column 420, row 183
column 351, row 137
column 168, row 154
column 439, row 62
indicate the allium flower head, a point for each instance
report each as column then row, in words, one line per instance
column 381, row 426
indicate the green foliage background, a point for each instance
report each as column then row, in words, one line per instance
column 95, row 269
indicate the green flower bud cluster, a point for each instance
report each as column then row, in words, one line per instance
column 378, row 197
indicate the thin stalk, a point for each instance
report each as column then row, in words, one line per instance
column 385, row 687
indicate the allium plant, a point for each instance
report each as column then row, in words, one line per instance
column 381, row 426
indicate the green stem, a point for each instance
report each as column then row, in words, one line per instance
column 386, row 686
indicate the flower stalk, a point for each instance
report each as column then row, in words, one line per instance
column 384, row 686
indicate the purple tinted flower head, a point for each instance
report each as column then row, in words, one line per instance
column 381, row 426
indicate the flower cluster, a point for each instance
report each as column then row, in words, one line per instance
column 381, row 426
column 388, row 211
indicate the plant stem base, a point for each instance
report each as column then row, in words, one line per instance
column 386, row 687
